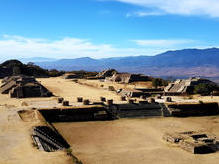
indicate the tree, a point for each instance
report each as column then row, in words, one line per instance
column 16, row 70
column 159, row 82
column 204, row 89
column 55, row 73
column 155, row 82
column 30, row 64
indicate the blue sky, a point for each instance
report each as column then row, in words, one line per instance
column 105, row 28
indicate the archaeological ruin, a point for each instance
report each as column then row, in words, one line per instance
column 48, row 139
column 194, row 142
column 23, row 86
column 187, row 86
column 127, row 78
column 106, row 73
column 110, row 103
column 193, row 109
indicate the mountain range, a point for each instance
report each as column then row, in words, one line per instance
column 179, row 63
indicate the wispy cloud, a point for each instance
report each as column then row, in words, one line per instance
column 68, row 47
column 65, row 47
column 23, row 47
column 179, row 7
column 163, row 42
column 143, row 14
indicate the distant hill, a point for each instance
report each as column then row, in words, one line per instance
column 36, row 59
column 180, row 63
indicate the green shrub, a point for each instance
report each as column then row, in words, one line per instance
column 55, row 73
column 204, row 89
column 156, row 82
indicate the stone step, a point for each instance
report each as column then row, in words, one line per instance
column 165, row 111
column 137, row 113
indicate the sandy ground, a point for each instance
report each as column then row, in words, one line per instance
column 129, row 141
column 70, row 90
column 15, row 135
column 106, row 84
column 15, row 140
column 120, row 141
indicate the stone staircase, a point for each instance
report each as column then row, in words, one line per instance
column 48, row 139
column 5, row 89
column 165, row 111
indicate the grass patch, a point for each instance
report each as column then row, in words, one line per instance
column 74, row 158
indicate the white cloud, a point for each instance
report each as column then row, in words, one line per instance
column 180, row 7
column 13, row 46
column 22, row 47
column 143, row 14
column 163, row 42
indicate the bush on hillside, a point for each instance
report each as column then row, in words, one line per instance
column 204, row 89
column 55, row 73
column 84, row 74
column 157, row 82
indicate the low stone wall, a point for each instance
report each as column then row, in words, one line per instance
column 138, row 110
column 72, row 114
column 195, row 109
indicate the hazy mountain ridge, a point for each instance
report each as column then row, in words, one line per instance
column 36, row 59
column 187, row 62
